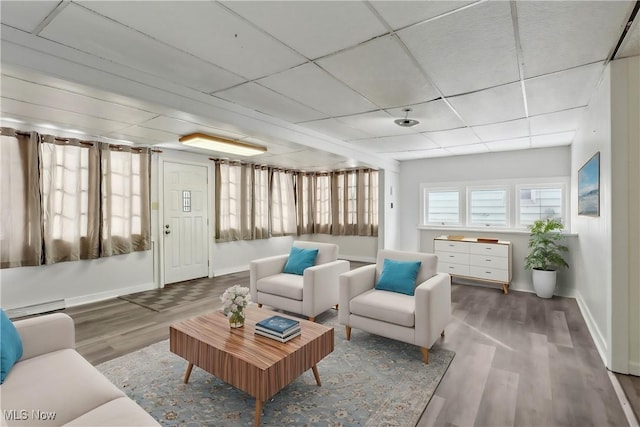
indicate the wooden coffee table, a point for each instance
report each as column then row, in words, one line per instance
column 252, row 363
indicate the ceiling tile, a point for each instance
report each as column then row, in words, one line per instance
column 313, row 28
column 206, row 30
column 556, row 122
column 503, row 130
column 312, row 86
column 509, row 144
column 65, row 118
column 58, row 98
column 552, row 140
column 25, row 15
column 376, row 123
column 259, row 98
column 381, row 71
column 151, row 136
column 432, row 115
column 468, row 50
column 468, row 149
column 563, row 90
column 399, row 14
column 581, row 32
column 391, row 144
column 449, row 138
column 184, row 127
column 631, row 44
column 85, row 30
column 497, row 104
column 418, row 154
column 336, row 129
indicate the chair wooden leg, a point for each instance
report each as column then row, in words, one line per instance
column 348, row 332
column 425, row 354
column 442, row 333
column 259, row 305
column 312, row 319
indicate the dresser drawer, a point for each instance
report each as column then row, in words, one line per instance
column 489, row 261
column 459, row 269
column 489, row 249
column 496, row 274
column 453, row 257
column 450, row 246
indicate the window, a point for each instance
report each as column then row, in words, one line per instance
column 283, row 208
column 539, row 202
column 442, row 206
column 322, row 217
column 488, row 207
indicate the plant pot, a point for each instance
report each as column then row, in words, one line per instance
column 544, row 282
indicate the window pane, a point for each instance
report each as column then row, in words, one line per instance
column 443, row 207
column 488, row 207
column 540, row 203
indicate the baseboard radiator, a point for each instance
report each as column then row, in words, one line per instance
column 30, row 310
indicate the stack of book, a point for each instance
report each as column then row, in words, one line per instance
column 278, row 328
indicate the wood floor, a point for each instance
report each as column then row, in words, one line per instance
column 520, row 360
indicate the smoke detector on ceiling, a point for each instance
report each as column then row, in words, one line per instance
column 406, row 122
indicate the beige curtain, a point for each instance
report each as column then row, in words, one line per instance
column 70, row 171
column 260, row 206
column 242, row 201
column 126, row 225
column 305, row 197
column 322, row 204
column 367, row 202
column 20, row 210
column 283, row 203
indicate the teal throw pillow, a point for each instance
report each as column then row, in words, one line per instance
column 399, row 276
column 299, row 259
column 10, row 346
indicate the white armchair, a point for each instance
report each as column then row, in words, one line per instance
column 417, row 319
column 312, row 293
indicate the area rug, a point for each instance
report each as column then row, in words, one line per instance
column 176, row 294
column 369, row 380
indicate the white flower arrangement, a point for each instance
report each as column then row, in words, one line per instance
column 234, row 300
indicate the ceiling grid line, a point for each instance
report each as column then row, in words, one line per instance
column 520, row 59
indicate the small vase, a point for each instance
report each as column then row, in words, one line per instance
column 236, row 319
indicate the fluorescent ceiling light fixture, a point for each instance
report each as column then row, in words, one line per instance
column 216, row 143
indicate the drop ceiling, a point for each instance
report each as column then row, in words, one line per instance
column 318, row 83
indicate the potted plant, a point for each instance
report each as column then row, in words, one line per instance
column 545, row 255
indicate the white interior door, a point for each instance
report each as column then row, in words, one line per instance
column 185, row 228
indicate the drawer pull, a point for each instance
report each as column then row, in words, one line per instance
column 488, row 260
column 451, row 256
column 488, row 272
column 451, row 268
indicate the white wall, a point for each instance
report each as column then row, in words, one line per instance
column 625, row 137
column 544, row 162
column 76, row 282
column 390, row 220
column 593, row 263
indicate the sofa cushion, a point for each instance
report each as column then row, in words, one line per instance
column 10, row 345
column 391, row 307
column 398, row 276
column 299, row 259
column 283, row 284
column 119, row 412
column 62, row 382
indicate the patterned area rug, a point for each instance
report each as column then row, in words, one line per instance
column 369, row 380
column 180, row 293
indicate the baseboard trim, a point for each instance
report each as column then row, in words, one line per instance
column 596, row 335
column 634, row 368
column 113, row 293
column 230, row 270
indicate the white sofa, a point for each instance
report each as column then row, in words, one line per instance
column 53, row 385
column 418, row 319
column 315, row 292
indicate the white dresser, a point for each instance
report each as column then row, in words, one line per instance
column 471, row 259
